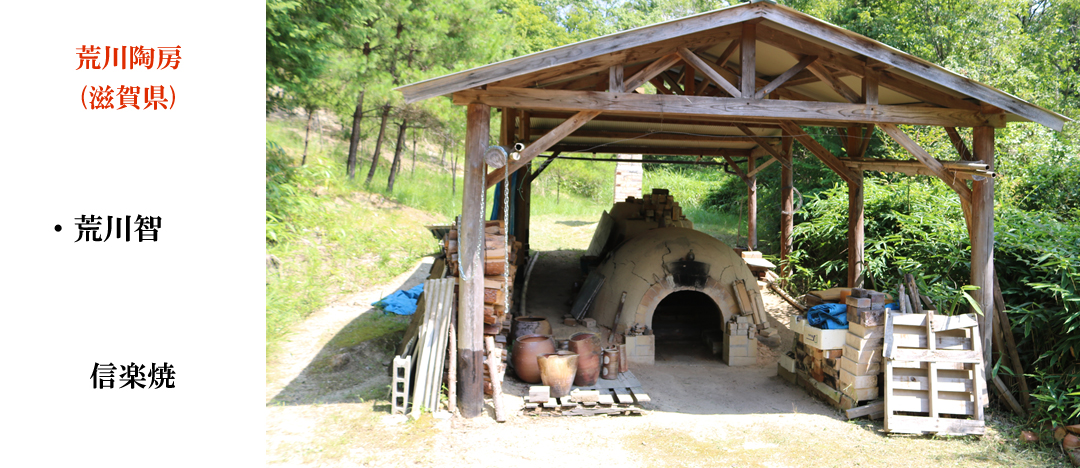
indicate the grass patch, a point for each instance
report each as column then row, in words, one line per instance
column 357, row 432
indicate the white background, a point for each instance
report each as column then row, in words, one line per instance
column 194, row 299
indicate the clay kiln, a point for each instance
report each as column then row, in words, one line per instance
column 650, row 252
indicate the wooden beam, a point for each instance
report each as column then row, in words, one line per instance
column 651, row 71
column 714, row 121
column 748, row 59
column 470, row 332
column 823, row 154
column 615, row 79
column 779, row 81
column 856, row 67
column 924, row 157
column 661, row 86
column 727, row 53
column 958, row 143
column 982, row 240
column 920, row 68
column 689, row 80
column 840, row 87
column 708, row 71
column 735, row 167
column 766, row 109
column 662, row 136
column 625, row 47
column 870, row 87
column 760, row 141
column 956, row 169
column 541, row 145
column 672, row 82
column 758, row 168
column 592, row 148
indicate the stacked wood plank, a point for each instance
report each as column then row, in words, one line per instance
column 498, row 289
column 659, row 207
column 430, row 351
column 934, row 379
column 748, row 300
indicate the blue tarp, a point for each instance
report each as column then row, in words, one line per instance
column 828, row 316
column 401, row 302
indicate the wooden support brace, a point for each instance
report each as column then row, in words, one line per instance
column 539, row 146
column 924, row 157
column 784, row 77
column 823, row 154
column 708, row 71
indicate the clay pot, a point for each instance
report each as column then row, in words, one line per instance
column 609, row 367
column 523, row 326
column 525, row 351
column 557, row 371
column 588, row 348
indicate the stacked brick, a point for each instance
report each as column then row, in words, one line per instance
column 498, row 290
column 843, row 365
column 742, row 342
column 861, row 363
column 660, row 208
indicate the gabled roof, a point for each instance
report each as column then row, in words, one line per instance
column 784, row 36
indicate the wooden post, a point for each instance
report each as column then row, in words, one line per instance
column 751, row 204
column 982, row 240
column 787, row 207
column 748, row 51
column 855, row 231
column 471, row 287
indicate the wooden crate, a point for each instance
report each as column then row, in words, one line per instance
column 934, row 379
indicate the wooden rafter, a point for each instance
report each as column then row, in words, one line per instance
column 840, row 87
column 672, row 82
column 766, row 109
column 924, row 157
column 856, row 67
column 727, row 53
column 823, row 154
column 760, row 141
column 708, row 71
column 779, row 81
column 652, row 70
column 713, row 121
column 958, row 143
column 541, row 145
column 661, row 86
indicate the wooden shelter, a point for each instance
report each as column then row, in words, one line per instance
column 741, row 83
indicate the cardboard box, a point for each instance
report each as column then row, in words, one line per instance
column 824, row 339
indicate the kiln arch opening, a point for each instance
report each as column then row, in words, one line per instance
column 680, row 322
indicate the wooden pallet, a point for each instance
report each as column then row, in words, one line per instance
column 613, row 401
column 934, row 375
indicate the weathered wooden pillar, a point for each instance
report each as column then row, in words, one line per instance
column 524, row 199
column 751, row 204
column 787, row 205
column 982, row 240
column 856, row 234
column 470, row 333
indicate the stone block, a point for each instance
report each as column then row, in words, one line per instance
column 738, row 340
column 641, row 349
column 539, row 394
column 742, row 319
column 736, row 361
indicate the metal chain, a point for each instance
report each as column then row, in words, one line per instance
column 506, row 235
column 479, row 242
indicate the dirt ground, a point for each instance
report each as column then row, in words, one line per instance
column 321, row 412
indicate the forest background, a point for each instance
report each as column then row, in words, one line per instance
column 341, row 59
